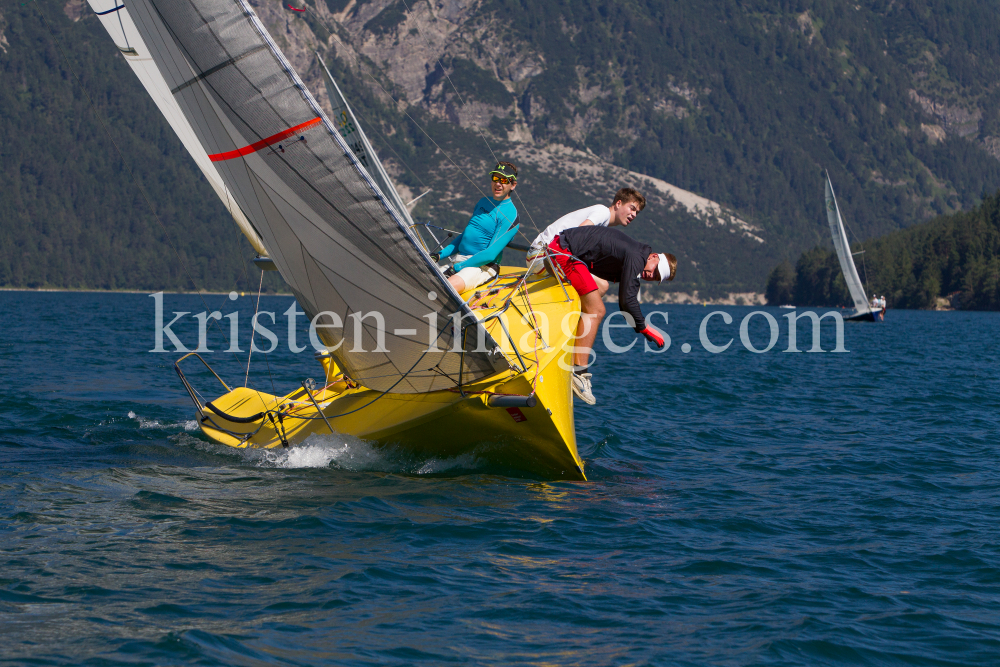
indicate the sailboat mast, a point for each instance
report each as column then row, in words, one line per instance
column 354, row 135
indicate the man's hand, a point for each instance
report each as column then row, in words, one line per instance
column 436, row 256
column 652, row 335
column 450, row 271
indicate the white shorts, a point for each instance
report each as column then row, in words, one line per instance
column 473, row 276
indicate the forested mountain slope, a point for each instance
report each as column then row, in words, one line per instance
column 69, row 214
column 742, row 103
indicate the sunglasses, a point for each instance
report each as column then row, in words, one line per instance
column 504, row 180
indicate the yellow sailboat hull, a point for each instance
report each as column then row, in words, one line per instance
column 537, row 437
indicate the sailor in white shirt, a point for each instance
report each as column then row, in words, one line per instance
column 626, row 205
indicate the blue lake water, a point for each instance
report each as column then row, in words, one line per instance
column 775, row 508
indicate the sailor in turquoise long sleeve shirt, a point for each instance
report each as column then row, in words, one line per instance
column 493, row 224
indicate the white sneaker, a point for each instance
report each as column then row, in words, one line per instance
column 583, row 388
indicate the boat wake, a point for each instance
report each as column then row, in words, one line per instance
column 337, row 452
column 190, row 425
column 354, row 454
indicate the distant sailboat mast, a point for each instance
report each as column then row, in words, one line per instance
column 843, row 249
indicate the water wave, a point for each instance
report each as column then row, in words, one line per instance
column 189, row 425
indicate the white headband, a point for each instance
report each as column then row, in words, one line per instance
column 664, row 267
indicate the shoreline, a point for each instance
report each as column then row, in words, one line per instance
column 674, row 299
column 68, row 290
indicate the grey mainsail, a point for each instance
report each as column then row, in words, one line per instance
column 843, row 249
column 347, row 254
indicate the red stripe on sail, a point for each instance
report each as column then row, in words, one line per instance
column 263, row 143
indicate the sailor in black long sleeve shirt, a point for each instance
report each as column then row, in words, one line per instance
column 615, row 256
column 585, row 252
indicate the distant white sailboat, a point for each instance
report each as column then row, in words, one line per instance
column 863, row 310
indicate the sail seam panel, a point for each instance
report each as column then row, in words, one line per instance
column 326, row 231
column 447, row 354
column 361, row 239
column 115, row 9
column 209, row 72
column 363, row 375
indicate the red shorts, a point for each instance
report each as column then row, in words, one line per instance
column 576, row 271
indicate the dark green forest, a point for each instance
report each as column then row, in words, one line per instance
column 70, row 215
column 954, row 258
column 744, row 103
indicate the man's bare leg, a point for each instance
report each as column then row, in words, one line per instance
column 457, row 283
column 586, row 330
column 602, row 286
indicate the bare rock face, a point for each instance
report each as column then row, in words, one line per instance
column 75, row 9
column 591, row 175
column 934, row 133
column 3, row 34
column 456, row 61
column 951, row 119
column 448, row 57
column 992, row 146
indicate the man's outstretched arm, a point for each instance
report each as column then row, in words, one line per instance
column 449, row 249
column 628, row 292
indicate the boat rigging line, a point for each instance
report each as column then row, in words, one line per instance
column 418, row 197
column 372, row 125
column 420, row 127
column 253, row 331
